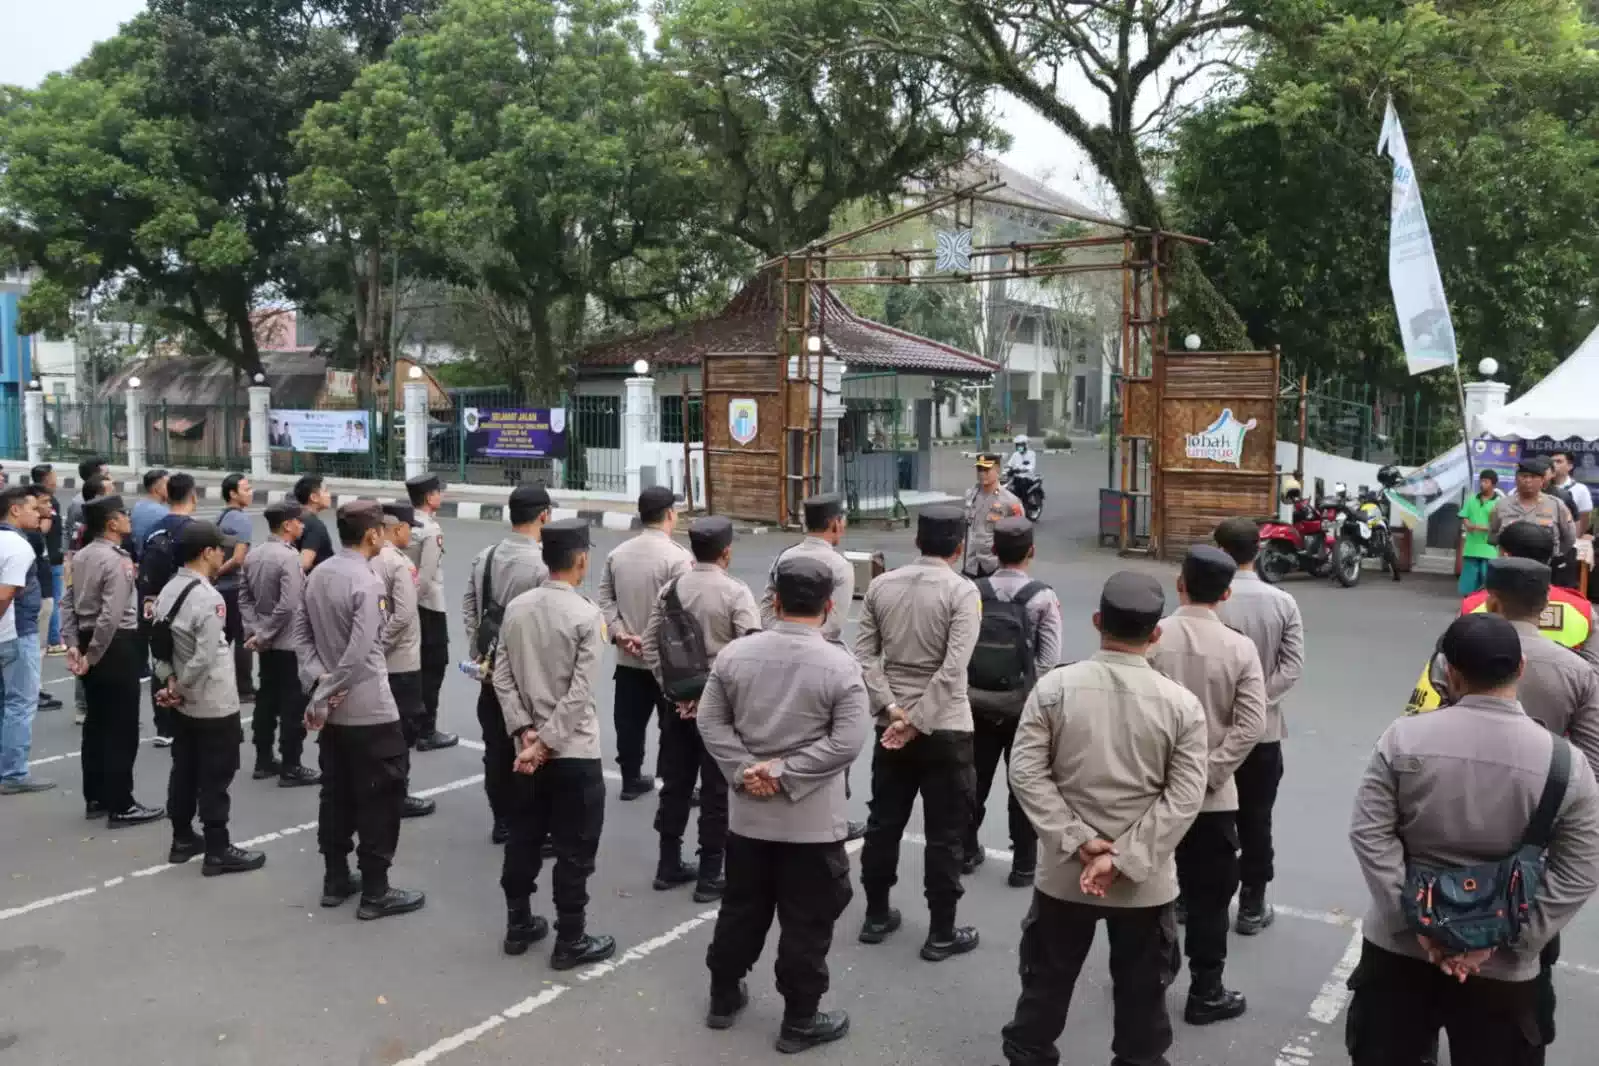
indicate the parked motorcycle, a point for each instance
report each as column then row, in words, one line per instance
column 1301, row 543
column 1030, row 490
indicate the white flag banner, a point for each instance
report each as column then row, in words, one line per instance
column 1429, row 336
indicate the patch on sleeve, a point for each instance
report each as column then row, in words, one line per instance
column 383, row 604
column 222, row 611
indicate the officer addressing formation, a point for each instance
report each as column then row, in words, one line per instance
column 1142, row 780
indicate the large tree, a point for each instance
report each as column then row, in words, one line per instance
column 1500, row 103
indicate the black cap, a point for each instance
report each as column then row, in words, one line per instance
column 1484, row 647
column 1207, row 573
column 1525, row 579
column 820, row 510
column 282, row 511
column 1130, row 592
column 361, row 515
column 1533, row 464
column 569, row 534
column 1014, row 532
column 199, row 535
column 530, row 496
column 710, row 535
column 100, row 509
column 940, row 520
column 803, row 583
column 655, row 498
column 1528, row 540
column 403, row 512
column 424, row 483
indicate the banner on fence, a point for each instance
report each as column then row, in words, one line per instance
column 1500, row 456
column 320, row 431
column 1431, row 487
column 515, row 432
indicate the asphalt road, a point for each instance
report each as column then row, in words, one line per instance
column 107, row 954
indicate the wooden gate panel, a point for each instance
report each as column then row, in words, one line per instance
column 744, row 480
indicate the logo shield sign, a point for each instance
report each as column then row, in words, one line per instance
column 557, row 420
column 743, row 420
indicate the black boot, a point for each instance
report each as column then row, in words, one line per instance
column 185, row 846
column 582, row 951
column 941, row 944
column 232, row 860
column 338, row 886
column 975, row 857
column 1254, row 913
column 523, row 929
column 417, row 807
column 137, row 814
column 634, row 787
column 876, row 928
column 671, row 871
column 265, row 768
column 391, row 902
column 711, row 884
column 1209, row 1001
column 727, row 1003
column 436, row 741
column 802, row 1034
column 298, row 777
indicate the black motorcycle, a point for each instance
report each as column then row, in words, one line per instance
column 1030, row 490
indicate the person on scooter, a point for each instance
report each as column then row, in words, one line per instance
column 1023, row 460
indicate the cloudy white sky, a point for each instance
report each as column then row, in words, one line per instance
column 41, row 37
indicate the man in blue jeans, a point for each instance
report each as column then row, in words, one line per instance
column 19, row 641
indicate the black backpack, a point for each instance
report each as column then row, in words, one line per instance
column 158, row 561
column 680, row 642
column 491, row 614
column 1002, row 661
column 161, row 645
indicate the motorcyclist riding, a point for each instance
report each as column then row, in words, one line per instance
column 1023, row 460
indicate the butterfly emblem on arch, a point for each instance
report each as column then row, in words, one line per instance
column 954, row 251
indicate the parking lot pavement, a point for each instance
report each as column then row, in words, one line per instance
column 106, row 953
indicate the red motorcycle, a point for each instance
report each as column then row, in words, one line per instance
column 1305, row 542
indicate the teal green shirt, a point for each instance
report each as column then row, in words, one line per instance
column 1477, row 511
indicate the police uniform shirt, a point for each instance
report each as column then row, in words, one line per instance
column 790, row 695
column 983, row 511
column 270, row 592
column 1043, row 616
column 1459, row 788
column 1109, row 748
column 1221, row 666
column 202, row 661
column 402, row 626
column 1559, row 690
column 918, row 628
column 518, row 566
column 427, row 553
column 843, row 585
column 1269, row 617
column 552, row 641
column 1545, row 511
column 722, row 604
column 101, row 597
column 633, row 577
column 338, row 635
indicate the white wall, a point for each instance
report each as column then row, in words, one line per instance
column 1329, row 468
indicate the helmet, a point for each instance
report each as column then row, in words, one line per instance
column 1292, row 489
column 1389, row 476
column 1021, row 438
column 1340, row 489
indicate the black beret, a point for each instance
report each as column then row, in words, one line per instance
column 424, row 483
column 1014, row 531
column 1206, row 562
column 820, row 510
column 569, row 534
column 1533, row 464
column 530, row 496
column 1483, row 645
column 1528, row 540
column 402, row 511
column 199, row 535
column 283, row 511
column 940, row 520
column 711, row 531
column 655, row 498
column 1519, row 577
column 102, row 508
column 361, row 514
column 1130, row 592
column 802, row 578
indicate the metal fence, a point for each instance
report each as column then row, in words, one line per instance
column 1372, row 425
column 876, row 446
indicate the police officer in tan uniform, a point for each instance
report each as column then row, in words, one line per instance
column 1110, row 763
column 785, row 713
column 402, row 632
column 551, row 646
column 426, row 550
column 100, row 624
column 338, row 635
column 918, row 627
column 635, row 572
column 1220, row 666
column 824, row 533
column 987, row 503
column 725, row 609
column 269, row 597
column 500, row 573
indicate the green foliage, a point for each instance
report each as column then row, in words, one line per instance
column 1500, row 104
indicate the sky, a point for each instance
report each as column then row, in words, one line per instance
column 39, row 38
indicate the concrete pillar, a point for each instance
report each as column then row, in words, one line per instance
column 637, row 401
column 260, row 431
column 136, row 447
column 1482, row 397
column 33, row 420
column 416, row 428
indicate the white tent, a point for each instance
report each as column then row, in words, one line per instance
column 1561, row 405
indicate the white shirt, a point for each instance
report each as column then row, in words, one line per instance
column 1579, row 494
column 1024, row 462
column 16, row 555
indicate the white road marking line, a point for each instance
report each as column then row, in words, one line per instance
column 1577, row 967
column 46, row 760
column 489, row 1024
column 151, row 871
column 1334, row 994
